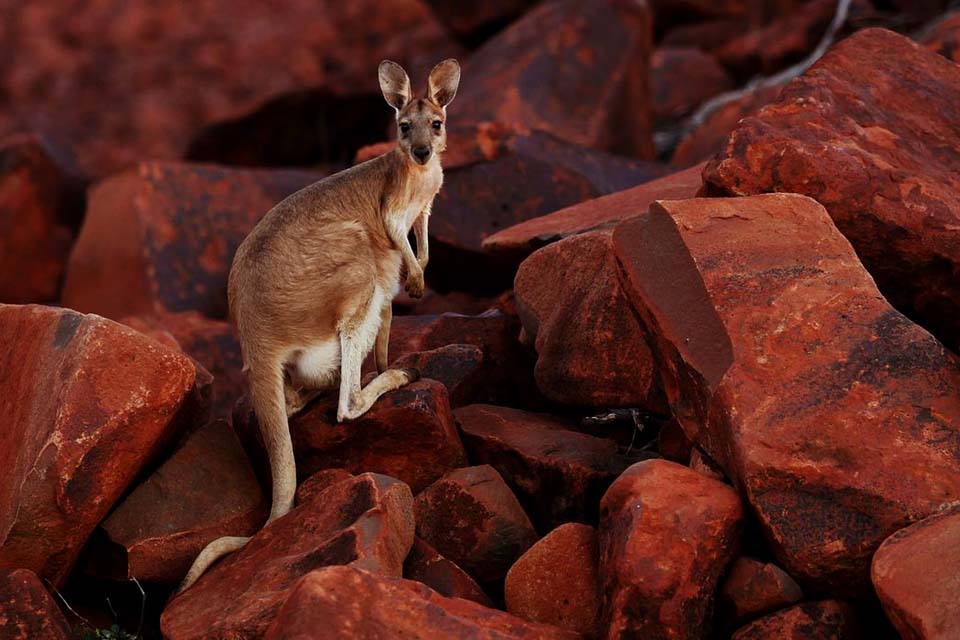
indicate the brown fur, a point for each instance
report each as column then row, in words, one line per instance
column 311, row 287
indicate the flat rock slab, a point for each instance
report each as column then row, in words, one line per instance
column 878, row 146
column 916, row 573
column 425, row 564
column 344, row 602
column 557, row 474
column 557, row 581
column 87, row 404
column 28, row 611
column 161, row 236
column 206, row 489
column 457, row 366
column 822, row 620
column 574, row 69
column 365, row 521
column 667, row 533
column 778, row 354
column 471, row 516
column 590, row 347
column 520, row 240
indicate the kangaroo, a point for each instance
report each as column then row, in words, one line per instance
column 311, row 287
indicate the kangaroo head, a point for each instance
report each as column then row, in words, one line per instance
column 421, row 122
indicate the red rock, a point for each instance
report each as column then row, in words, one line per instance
column 681, row 79
column 778, row 353
column 87, row 404
column 707, row 35
column 379, row 608
column 432, row 302
column 823, row 620
column 497, row 176
column 540, row 456
column 506, row 372
column 425, row 565
column 473, row 22
column 555, row 582
column 520, row 240
column 161, row 237
column 204, row 491
column 576, row 70
column 212, row 343
column 915, row 574
column 166, row 71
column 27, row 610
column 702, row 463
column 37, row 202
column 666, row 535
column 457, row 366
column 752, row 589
column 944, row 37
column 318, row 483
column 708, row 137
column 591, row 349
column 879, row 148
column 673, row 444
column 471, row 516
column 366, row 522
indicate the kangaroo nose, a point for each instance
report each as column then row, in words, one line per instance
column 421, row 153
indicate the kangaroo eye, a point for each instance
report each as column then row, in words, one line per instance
column 404, row 127
column 436, row 124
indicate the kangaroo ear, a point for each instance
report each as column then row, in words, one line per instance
column 443, row 82
column 395, row 84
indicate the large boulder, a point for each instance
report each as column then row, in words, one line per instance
column 557, row 581
column 365, row 521
column 474, row 22
column 591, row 349
column 577, row 70
column 778, row 354
column 821, row 620
column 87, row 404
column 161, row 237
column 39, row 208
column 205, row 490
column 667, row 533
column 471, row 516
column 345, row 602
column 540, row 456
column 520, row 240
column 915, row 574
column 133, row 78
column 878, row 146
column 27, row 610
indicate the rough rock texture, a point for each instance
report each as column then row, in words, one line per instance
column 457, row 366
column 556, row 581
column 86, row 405
column 878, row 146
column 212, row 343
column 205, row 490
column 666, row 535
column 823, row 620
column 470, row 516
column 708, row 137
column 366, row 521
column 408, row 434
column 27, row 610
column 424, row 564
column 520, row 240
column 752, row 589
column 577, row 70
column 122, row 80
column 318, row 483
column 778, row 353
column 540, row 457
column 682, row 78
column 359, row 604
column 161, row 237
column 916, row 573
column 38, row 207
column 591, row 350
column 944, row 37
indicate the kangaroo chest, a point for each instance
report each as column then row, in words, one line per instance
column 416, row 193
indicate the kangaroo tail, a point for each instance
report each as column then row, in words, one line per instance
column 266, row 392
